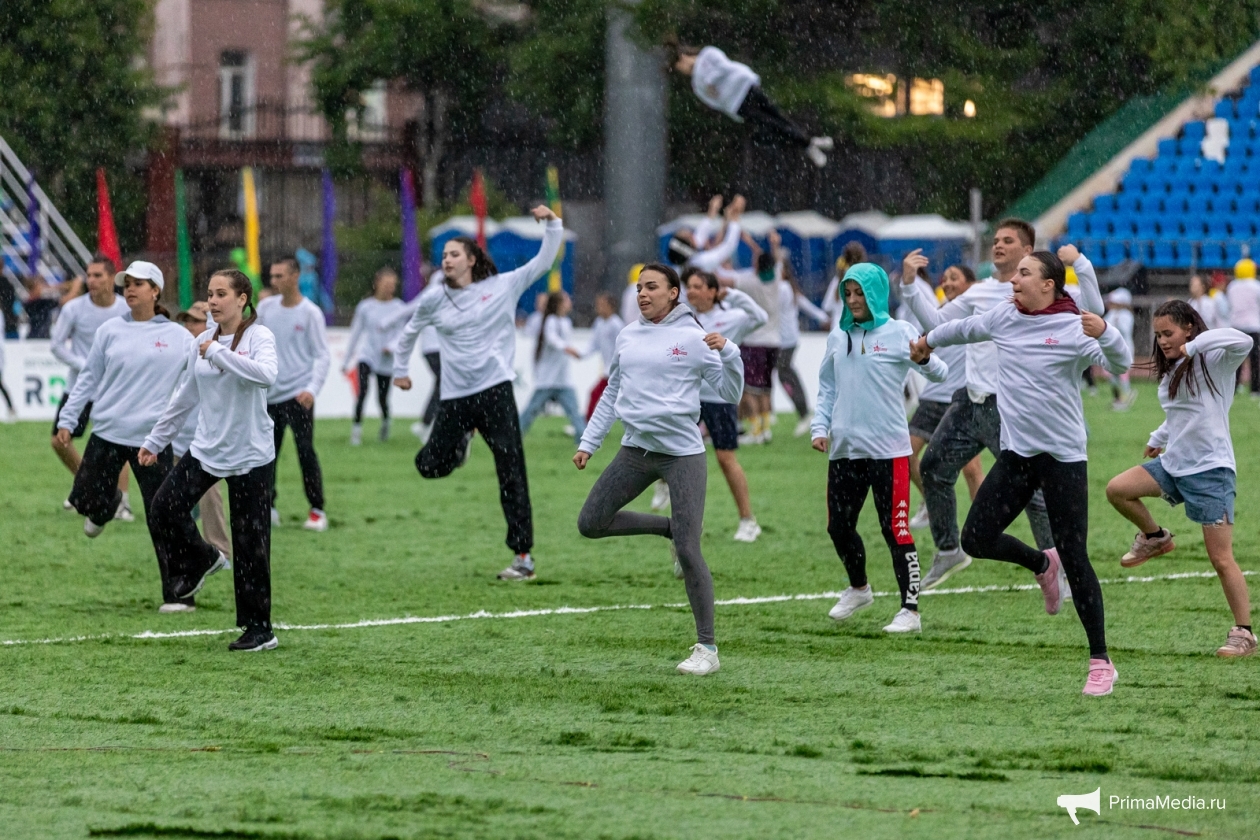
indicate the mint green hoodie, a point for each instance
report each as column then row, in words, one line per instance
column 874, row 283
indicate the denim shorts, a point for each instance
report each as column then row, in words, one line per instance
column 722, row 421
column 926, row 418
column 1209, row 495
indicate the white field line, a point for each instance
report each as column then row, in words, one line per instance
column 482, row 614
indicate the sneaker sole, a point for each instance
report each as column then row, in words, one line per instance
column 928, row 587
column 219, row 565
column 1129, row 561
column 850, row 615
column 164, row 611
column 890, row 630
column 270, row 644
column 698, row 673
column 515, row 578
column 1225, row 653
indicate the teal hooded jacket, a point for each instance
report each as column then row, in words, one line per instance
column 874, row 283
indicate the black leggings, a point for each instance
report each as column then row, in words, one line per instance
column 1254, row 357
column 302, row 420
column 1005, row 492
column 848, row 481
column 382, row 391
column 177, row 540
column 434, row 361
column 760, row 110
column 96, row 494
column 789, row 379
column 5, row 391
column 493, row 413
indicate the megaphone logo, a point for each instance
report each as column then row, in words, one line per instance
column 1072, row 801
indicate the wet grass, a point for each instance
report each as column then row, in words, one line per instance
column 574, row 725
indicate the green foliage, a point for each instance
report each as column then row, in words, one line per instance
column 72, row 99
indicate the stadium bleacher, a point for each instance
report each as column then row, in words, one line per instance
column 1196, row 204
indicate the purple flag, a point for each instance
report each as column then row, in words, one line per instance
column 412, row 281
column 328, row 260
column 35, row 235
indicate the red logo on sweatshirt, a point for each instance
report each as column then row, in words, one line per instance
column 1051, row 342
column 299, row 328
column 878, row 349
column 159, row 345
column 487, row 296
column 676, row 352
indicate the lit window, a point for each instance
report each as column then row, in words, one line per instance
column 369, row 121
column 880, row 90
column 927, row 97
column 236, row 94
column 969, row 109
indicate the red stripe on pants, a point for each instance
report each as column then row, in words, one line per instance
column 901, row 501
column 596, row 393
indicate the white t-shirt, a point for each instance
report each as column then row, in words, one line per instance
column 720, row 83
column 604, row 334
column 377, row 324
column 733, row 318
column 766, row 296
column 790, row 304
column 75, row 329
column 1244, row 305
column 552, row 368
column 1213, row 308
column 301, row 347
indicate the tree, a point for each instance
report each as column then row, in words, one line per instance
column 73, row 99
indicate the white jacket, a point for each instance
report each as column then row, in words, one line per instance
column 553, row 368
column 376, row 324
column 1038, row 389
column 75, row 329
column 234, row 432
column 861, row 406
column 1244, row 305
column 720, row 83
column 301, row 347
column 128, row 377
column 1195, row 436
column 654, row 385
column 476, row 324
column 733, row 318
column 791, row 306
column 604, row 334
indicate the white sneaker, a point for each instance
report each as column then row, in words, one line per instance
column 569, row 429
column 422, row 430
column 905, row 621
column 851, row 600
column 92, row 529
column 749, row 439
column 774, row 419
column 702, row 662
column 748, row 530
column 802, row 427
column 384, row 433
column 816, row 156
column 66, row 505
column 356, row 434
column 522, row 568
column 660, row 496
column 920, row 518
column 673, row 553
column 766, row 436
column 176, row 607
column 124, row 514
column 275, row 518
column 317, row 521
column 824, row 143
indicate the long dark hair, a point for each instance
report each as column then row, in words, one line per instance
column 483, row 266
column 241, row 285
column 554, row 300
column 671, row 276
column 1187, row 317
column 1052, row 268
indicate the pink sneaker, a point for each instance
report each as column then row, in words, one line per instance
column 1049, row 582
column 1102, row 676
column 1144, row 549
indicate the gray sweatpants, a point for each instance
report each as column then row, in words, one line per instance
column 631, row 472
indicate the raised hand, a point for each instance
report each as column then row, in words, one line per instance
column 1093, row 325
column 543, row 213
column 911, row 264
column 1069, row 254
column 715, row 205
column 715, row 341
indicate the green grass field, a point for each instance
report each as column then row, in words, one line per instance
column 575, row 724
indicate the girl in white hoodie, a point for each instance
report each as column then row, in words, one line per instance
column 1192, row 453
column 654, row 385
column 553, row 361
column 234, row 442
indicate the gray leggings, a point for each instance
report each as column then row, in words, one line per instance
column 631, row 472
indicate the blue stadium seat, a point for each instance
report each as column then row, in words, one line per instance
column 1123, row 225
column 1103, row 203
column 1141, row 250
column 1194, row 130
column 1189, row 147
column 1113, row 251
column 1248, row 105
column 1187, row 168
column 1170, row 227
column 1212, row 255
column 1194, row 227
column 1174, row 203
column 1235, row 165
column 1224, row 109
column 1248, row 201
column 1164, row 166
column 1233, row 252
column 1254, row 75
column 1203, row 184
column 1100, row 224
column 1167, row 148
column 1243, row 129
column 1228, row 186
column 1218, row 227
column 1211, row 168
column 1078, row 225
column 1199, row 205
column 1140, row 165
column 1146, row 227
column 1129, row 203
column 1164, row 254
column 1134, row 182
column 1242, row 225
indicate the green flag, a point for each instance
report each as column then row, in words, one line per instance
column 553, row 201
column 182, row 248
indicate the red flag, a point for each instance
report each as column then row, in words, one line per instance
column 477, row 197
column 106, row 234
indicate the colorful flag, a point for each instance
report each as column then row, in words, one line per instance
column 412, row 281
column 183, row 248
column 34, row 235
column 106, row 233
column 252, row 258
column 477, row 198
column 328, row 260
column 554, row 282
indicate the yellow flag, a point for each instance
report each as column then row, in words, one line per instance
column 252, row 256
column 554, row 283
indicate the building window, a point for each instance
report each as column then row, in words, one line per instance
column 890, row 96
column 879, row 90
column 369, row 122
column 927, row 97
column 236, row 94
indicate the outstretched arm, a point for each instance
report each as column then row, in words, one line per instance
column 964, row 331
column 421, row 317
column 1091, row 296
column 522, row 278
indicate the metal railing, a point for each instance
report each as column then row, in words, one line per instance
column 62, row 253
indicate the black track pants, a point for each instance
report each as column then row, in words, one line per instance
column 382, row 391
column 888, row 479
column 302, row 420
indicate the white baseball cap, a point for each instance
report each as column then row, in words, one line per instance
column 141, row 270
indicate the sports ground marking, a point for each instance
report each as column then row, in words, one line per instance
column 483, row 614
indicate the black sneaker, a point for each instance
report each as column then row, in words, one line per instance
column 186, row 587
column 255, row 639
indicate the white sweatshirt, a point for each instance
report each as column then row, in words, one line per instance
column 732, row 318
column 377, row 323
column 129, row 375
column 1214, row 309
column 712, row 259
column 553, row 369
column 720, row 83
column 1039, row 393
column 75, row 328
column 790, row 305
column 982, row 358
column 629, row 309
column 1122, row 320
column 1195, row 436
column 234, row 432
column 654, row 385
column 1244, row 305
column 861, row 406
column 301, row 347
column 766, row 296
column 476, row 324
column 604, row 334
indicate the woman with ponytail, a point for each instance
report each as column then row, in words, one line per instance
column 1192, row 453
column 553, row 353
column 228, row 378
column 136, row 361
